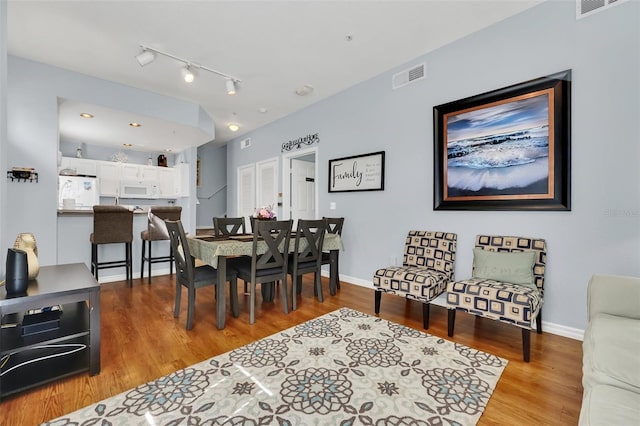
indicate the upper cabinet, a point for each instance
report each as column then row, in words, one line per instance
column 80, row 165
column 111, row 174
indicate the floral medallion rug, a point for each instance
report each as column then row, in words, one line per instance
column 343, row 368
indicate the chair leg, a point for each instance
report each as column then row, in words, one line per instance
column 319, row 286
column 526, row 344
column 176, row 309
column 246, row 288
column 94, row 260
column 170, row 259
column 252, row 303
column 191, row 306
column 425, row 315
column 338, row 273
column 539, row 322
column 451, row 320
column 376, row 301
column 129, row 263
column 149, row 264
column 294, row 293
column 142, row 261
column 285, row 296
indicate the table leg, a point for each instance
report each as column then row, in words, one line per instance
column 333, row 271
column 94, row 333
column 221, row 286
column 268, row 291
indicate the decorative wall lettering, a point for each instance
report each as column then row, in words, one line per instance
column 310, row 139
column 357, row 173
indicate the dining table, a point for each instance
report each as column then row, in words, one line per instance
column 215, row 250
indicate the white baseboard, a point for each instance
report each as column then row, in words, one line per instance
column 104, row 279
column 547, row 327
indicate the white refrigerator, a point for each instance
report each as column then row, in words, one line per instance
column 77, row 192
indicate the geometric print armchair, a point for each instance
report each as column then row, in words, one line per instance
column 427, row 268
column 507, row 284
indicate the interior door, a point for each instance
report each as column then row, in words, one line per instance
column 246, row 190
column 303, row 189
column 267, row 184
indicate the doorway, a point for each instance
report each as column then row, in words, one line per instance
column 300, row 185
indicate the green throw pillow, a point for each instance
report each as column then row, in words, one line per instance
column 515, row 268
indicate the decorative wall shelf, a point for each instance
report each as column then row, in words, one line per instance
column 22, row 174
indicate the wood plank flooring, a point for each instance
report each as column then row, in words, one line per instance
column 142, row 341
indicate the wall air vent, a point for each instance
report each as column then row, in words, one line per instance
column 408, row 76
column 586, row 8
column 245, row 143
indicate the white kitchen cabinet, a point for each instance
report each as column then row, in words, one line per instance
column 173, row 181
column 167, row 178
column 149, row 173
column 82, row 166
column 130, row 172
column 183, row 181
column 109, row 178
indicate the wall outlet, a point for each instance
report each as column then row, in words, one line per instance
column 332, row 206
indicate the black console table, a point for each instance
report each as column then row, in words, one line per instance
column 69, row 347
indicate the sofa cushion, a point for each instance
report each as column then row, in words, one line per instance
column 604, row 405
column 611, row 346
column 510, row 303
column 511, row 267
column 411, row 282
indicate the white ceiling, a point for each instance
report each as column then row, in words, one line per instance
column 274, row 47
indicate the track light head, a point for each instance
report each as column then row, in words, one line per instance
column 231, row 87
column 187, row 74
column 146, row 57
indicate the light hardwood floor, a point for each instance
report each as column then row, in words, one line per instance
column 142, row 341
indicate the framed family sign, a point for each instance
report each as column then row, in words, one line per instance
column 508, row 149
column 357, row 173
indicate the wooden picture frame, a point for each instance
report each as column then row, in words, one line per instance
column 357, row 173
column 508, row 149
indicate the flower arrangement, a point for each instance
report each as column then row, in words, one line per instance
column 264, row 213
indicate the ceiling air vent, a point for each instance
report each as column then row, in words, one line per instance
column 408, row 76
column 586, row 8
column 245, row 143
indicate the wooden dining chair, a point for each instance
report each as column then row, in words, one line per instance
column 269, row 266
column 187, row 275
column 224, row 226
column 307, row 257
column 334, row 226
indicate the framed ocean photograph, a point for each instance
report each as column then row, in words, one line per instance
column 508, row 149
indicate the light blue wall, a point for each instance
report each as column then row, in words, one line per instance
column 3, row 125
column 32, row 107
column 602, row 232
column 212, row 193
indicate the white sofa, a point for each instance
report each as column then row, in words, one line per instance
column 611, row 352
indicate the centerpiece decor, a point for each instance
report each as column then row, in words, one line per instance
column 264, row 213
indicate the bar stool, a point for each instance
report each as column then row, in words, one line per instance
column 157, row 231
column 112, row 224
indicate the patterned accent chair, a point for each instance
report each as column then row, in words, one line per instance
column 427, row 268
column 490, row 293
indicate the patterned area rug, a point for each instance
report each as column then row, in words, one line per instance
column 343, row 368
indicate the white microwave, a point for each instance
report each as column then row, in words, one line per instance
column 137, row 189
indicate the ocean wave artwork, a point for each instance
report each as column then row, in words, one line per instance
column 502, row 149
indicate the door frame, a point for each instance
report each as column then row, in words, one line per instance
column 286, row 180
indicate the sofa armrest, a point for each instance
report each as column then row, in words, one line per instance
column 614, row 295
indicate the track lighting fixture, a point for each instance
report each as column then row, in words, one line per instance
column 148, row 55
column 231, row 87
column 187, row 74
